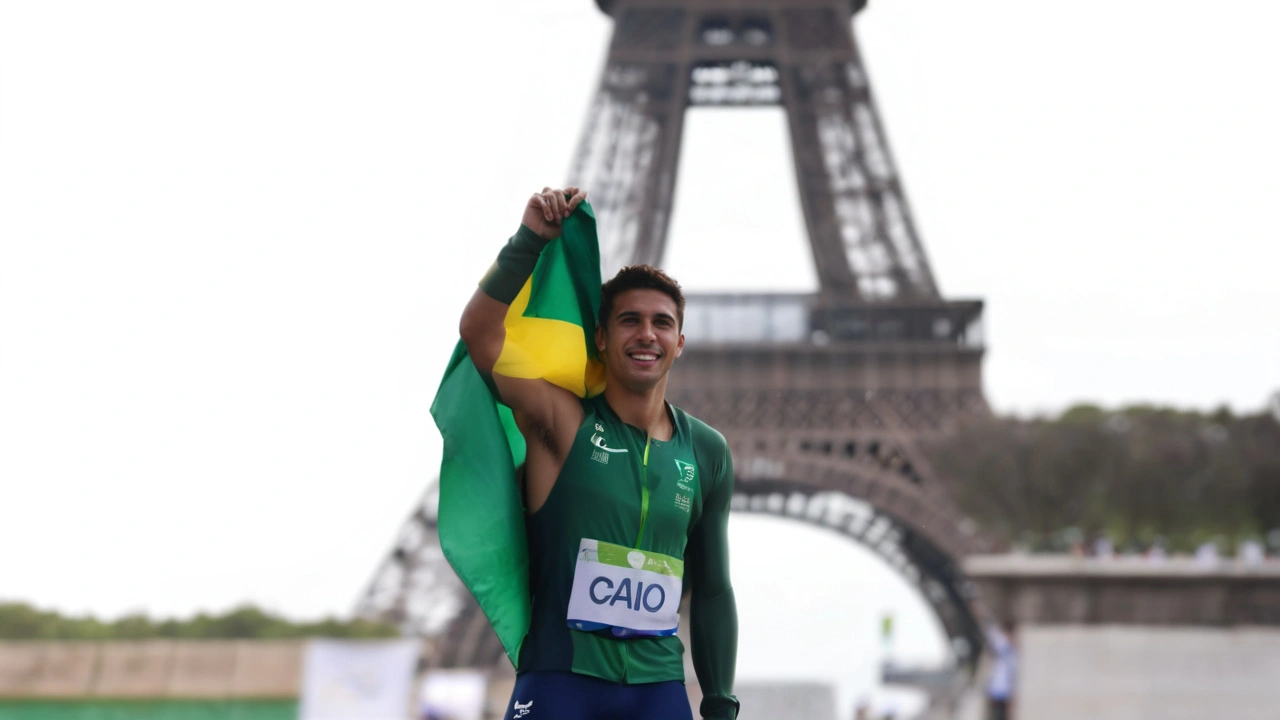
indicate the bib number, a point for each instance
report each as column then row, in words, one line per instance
column 631, row 593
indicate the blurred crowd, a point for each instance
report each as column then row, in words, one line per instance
column 1211, row 551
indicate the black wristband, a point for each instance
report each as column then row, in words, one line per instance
column 514, row 265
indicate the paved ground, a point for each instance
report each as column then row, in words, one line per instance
column 1135, row 673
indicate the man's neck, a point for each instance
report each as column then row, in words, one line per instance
column 646, row 410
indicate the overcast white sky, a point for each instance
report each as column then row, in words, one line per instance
column 235, row 238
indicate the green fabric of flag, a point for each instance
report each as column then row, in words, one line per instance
column 549, row 335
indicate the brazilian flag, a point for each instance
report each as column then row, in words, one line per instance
column 549, row 327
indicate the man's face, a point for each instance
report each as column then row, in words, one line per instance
column 641, row 339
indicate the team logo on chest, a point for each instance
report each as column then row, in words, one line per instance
column 686, row 478
column 603, row 451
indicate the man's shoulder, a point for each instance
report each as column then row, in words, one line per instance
column 704, row 437
column 711, row 454
column 595, row 407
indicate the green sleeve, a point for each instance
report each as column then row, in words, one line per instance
column 713, row 612
column 515, row 263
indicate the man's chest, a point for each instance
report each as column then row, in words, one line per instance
column 618, row 474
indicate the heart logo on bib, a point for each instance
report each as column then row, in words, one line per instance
column 635, row 558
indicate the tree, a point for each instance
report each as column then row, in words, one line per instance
column 20, row 621
column 1135, row 474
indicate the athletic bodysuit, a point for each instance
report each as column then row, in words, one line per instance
column 669, row 499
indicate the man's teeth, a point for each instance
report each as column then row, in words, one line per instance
column 644, row 356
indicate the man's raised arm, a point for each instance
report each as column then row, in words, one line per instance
column 482, row 321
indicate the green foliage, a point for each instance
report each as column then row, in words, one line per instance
column 128, row 709
column 20, row 621
column 1140, row 475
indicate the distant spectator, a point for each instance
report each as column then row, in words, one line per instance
column 1074, row 540
column 1157, row 553
column 1250, row 552
column 1207, row 553
column 1103, row 548
column 1000, row 688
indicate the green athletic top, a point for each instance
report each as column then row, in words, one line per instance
column 598, row 496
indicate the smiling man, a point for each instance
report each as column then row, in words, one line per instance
column 626, row 500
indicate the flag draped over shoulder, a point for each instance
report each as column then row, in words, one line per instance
column 549, row 331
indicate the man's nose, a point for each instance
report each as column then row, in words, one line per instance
column 647, row 331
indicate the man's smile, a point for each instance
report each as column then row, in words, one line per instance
column 644, row 356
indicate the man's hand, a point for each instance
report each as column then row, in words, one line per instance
column 546, row 210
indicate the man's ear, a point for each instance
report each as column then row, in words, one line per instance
column 680, row 345
column 600, row 338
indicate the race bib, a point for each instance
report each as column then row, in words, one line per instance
column 632, row 593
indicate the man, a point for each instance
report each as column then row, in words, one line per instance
column 1003, row 680
column 626, row 501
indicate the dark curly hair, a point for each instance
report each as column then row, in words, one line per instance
column 640, row 277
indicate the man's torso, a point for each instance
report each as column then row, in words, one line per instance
column 610, row 490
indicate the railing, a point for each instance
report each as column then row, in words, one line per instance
column 726, row 318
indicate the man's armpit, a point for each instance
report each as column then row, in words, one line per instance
column 539, row 431
column 541, row 409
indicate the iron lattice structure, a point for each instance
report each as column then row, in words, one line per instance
column 824, row 398
column 667, row 56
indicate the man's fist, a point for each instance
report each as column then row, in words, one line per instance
column 546, row 210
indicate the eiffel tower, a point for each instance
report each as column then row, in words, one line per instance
column 823, row 397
